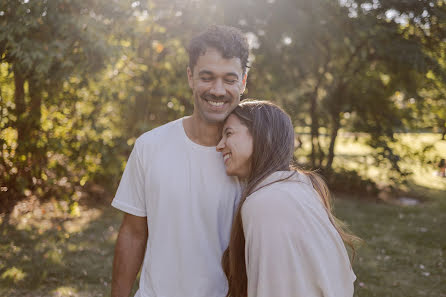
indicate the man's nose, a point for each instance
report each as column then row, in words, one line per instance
column 218, row 88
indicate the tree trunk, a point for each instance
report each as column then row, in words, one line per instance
column 35, row 109
column 315, row 144
column 333, row 135
column 28, row 124
column 321, row 151
column 34, row 132
column 314, row 129
column 20, row 109
column 316, row 149
column 22, row 178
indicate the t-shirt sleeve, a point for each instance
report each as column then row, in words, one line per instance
column 130, row 194
column 287, row 255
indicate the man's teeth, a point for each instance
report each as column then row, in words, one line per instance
column 214, row 103
column 227, row 156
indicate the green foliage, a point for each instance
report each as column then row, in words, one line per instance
column 46, row 45
column 80, row 80
column 362, row 59
column 350, row 182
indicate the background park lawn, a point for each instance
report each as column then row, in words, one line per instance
column 363, row 81
column 58, row 255
column 49, row 252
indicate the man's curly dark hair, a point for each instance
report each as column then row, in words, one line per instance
column 229, row 41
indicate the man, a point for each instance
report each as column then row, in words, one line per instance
column 177, row 199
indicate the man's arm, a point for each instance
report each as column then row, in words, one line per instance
column 129, row 254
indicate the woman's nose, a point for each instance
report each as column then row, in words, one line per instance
column 220, row 145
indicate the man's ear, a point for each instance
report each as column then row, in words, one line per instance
column 190, row 77
column 245, row 78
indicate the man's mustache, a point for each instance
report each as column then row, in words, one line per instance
column 211, row 97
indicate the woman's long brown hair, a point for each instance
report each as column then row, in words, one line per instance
column 273, row 149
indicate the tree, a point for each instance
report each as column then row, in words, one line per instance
column 328, row 58
column 44, row 44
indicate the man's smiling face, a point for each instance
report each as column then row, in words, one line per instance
column 217, row 84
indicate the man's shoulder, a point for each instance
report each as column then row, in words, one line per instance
column 166, row 131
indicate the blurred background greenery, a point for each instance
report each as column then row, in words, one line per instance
column 363, row 80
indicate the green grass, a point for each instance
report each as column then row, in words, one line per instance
column 351, row 152
column 53, row 254
column 404, row 247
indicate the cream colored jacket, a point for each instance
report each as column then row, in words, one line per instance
column 292, row 249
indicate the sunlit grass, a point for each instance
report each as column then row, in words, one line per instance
column 402, row 255
column 48, row 252
column 13, row 275
column 353, row 153
column 65, row 291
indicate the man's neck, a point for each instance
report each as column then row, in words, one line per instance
column 202, row 132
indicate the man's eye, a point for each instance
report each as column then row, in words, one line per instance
column 231, row 81
column 206, row 78
column 228, row 134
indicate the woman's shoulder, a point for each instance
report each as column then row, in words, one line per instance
column 292, row 197
column 268, row 196
column 272, row 201
column 283, row 185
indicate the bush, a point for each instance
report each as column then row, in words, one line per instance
column 350, row 182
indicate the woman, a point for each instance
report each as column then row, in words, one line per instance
column 284, row 242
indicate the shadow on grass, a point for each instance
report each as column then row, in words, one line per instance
column 72, row 257
column 403, row 254
column 403, row 250
column 425, row 193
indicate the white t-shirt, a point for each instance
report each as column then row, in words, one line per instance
column 292, row 249
column 189, row 201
